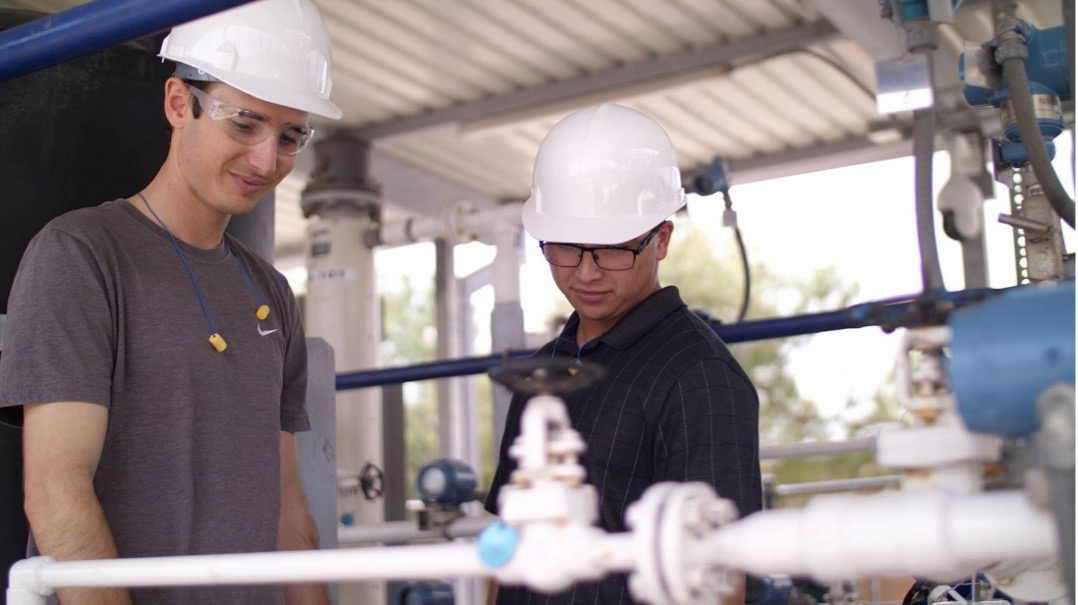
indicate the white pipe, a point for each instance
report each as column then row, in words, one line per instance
column 553, row 556
column 837, row 485
column 507, row 261
column 428, row 562
column 544, row 418
column 929, row 534
column 817, row 448
column 343, row 308
column 458, row 223
column 407, row 531
column 550, row 557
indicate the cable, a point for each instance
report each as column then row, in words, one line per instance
column 745, row 294
column 922, row 39
column 708, row 181
column 924, row 126
column 1014, row 72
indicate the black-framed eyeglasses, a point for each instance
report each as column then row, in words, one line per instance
column 250, row 127
column 609, row 258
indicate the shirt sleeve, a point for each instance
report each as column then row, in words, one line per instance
column 59, row 342
column 709, row 431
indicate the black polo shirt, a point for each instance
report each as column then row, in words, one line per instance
column 674, row 406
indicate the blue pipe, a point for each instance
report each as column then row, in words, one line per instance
column 813, row 323
column 889, row 313
column 425, row 371
column 92, row 27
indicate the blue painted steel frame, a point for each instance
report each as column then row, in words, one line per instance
column 92, row 27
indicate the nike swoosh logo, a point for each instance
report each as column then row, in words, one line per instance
column 262, row 332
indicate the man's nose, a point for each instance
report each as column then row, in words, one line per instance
column 588, row 267
column 263, row 156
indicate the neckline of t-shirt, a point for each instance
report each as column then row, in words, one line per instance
column 216, row 254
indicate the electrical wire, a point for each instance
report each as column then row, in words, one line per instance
column 1014, row 72
column 924, row 127
column 746, row 292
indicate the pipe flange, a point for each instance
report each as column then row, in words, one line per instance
column 454, row 230
column 674, row 524
column 340, row 202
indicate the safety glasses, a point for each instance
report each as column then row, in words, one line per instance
column 610, row 258
column 251, row 128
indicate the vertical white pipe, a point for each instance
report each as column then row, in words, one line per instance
column 342, row 307
column 507, row 264
column 24, row 582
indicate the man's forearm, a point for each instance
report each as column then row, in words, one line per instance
column 68, row 524
column 296, row 529
column 297, row 532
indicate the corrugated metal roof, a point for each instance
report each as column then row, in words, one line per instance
column 464, row 90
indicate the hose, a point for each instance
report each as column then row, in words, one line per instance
column 744, row 260
column 924, row 132
column 922, row 38
column 745, row 268
column 1014, row 71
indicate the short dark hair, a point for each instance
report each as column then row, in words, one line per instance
column 196, row 108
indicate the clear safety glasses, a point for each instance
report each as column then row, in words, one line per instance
column 249, row 127
column 609, row 258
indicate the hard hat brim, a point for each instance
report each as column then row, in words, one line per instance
column 596, row 230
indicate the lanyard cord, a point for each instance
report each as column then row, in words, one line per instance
column 216, row 340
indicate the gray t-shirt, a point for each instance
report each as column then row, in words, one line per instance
column 103, row 311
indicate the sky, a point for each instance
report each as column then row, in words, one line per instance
column 858, row 219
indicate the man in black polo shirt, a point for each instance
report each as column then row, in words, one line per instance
column 675, row 405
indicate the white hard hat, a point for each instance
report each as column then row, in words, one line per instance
column 274, row 50
column 603, row 175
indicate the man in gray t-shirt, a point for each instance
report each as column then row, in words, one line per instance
column 157, row 366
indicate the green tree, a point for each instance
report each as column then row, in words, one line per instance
column 711, row 281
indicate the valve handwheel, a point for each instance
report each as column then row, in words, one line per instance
column 558, row 376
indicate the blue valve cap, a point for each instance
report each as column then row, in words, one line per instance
column 497, row 543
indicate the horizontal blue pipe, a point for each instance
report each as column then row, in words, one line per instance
column 782, row 327
column 859, row 316
column 425, row 371
column 94, row 26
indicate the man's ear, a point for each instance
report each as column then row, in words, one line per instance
column 176, row 101
column 664, row 239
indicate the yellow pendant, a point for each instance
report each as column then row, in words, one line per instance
column 262, row 312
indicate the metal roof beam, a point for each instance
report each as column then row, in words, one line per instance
column 661, row 73
column 858, row 149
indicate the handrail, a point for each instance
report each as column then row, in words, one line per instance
column 91, row 27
